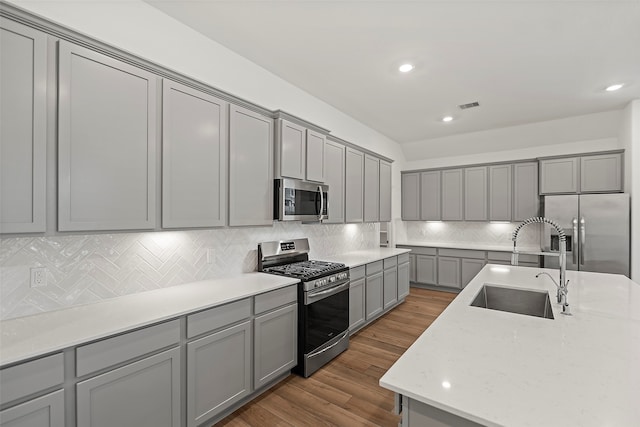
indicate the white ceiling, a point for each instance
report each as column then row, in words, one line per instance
column 523, row 60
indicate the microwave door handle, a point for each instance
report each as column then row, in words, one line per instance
column 583, row 236
column 574, row 251
column 321, row 202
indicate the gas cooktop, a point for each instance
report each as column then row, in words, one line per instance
column 305, row 270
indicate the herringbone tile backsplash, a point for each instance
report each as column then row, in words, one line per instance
column 93, row 267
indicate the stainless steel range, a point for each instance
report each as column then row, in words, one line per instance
column 323, row 300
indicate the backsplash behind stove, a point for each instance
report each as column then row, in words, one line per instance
column 93, row 267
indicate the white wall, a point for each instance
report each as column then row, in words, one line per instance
column 630, row 139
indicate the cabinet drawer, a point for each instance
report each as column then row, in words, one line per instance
column 390, row 262
column 356, row 273
column 506, row 256
column 217, row 317
column 31, row 377
column 403, row 258
column 461, row 253
column 374, row 267
column 112, row 351
column 279, row 297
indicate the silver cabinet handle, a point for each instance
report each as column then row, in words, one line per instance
column 321, row 202
column 583, row 236
column 574, row 221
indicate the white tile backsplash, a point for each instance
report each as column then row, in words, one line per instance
column 94, row 267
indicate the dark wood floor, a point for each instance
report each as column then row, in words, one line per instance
column 345, row 392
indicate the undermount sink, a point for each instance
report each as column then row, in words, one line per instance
column 514, row 300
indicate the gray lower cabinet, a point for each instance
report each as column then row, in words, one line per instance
column 403, row 280
column 108, row 400
column 107, row 142
column 194, row 162
column 44, row 411
column 23, row 120
column 371, row 188
column 426, row 269
column 356, row 303
column 354, row 186
column 390, row 287
column 449, row 272
column 526, row 202
column 470, row 267
column 412, row 267
column 275, row 344
column 385, row 191
column 452, row 195
column 430, row 196
column 218, row 372
column 500, row 192
column 334, row 175
column 411, row 196
column 374, row 289
column 475, row 194
column 250, row 167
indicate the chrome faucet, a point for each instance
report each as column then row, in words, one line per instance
column 563, row 284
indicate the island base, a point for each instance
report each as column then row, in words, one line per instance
column 416, row 413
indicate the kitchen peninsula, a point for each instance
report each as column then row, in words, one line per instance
column 476, row 366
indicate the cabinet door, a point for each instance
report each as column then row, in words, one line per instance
column 106, row 144
column 356, row 304
column 470, row 267
column 250, row 167
column 218, row 372
column 430, row 196
column 292, row 150
column 143, row 393
column 526, row 202
column 334, row 176
column 475, row 194
column 559, row 175
column 276, row 344
column 371, row 188
column 449, row 272
column 390, row 291
column 500, row 193
column 452, row 191
column 45, row 411
column 412, row 268
column 403, row 280
column 602, row 173
column 23, row 126
column 426, row 269
column 315, row 156
column 411, row 196
column 374, row 295
column 194, row 157
column 354, row 191
column 385, row 191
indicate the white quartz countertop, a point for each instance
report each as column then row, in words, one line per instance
column 473, row 246
column 504, row 369
column 39, row 334
column 357, row 258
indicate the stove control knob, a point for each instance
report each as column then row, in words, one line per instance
column 332, row 279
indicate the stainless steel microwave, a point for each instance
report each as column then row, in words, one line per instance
column 297, row 200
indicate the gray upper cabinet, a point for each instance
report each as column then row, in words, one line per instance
column 475, row 194
column 354, row 187
column 601, row 173
column 559, row 175
column 194, row 158
column 385, row 191
column 23, row 121
column 292, row 153
column 430, row 196
column 411, row 196
column 334, row 173
column 106, row 143
column 250, row 167
column 452, row 195
column 500, row 191
column 526, row 202
column 371, row 188
column 315, row 153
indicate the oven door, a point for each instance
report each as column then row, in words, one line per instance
column 325, row 316
column 300, row 200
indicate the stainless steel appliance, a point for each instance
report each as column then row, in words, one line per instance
column 597, row 228
column 297, row 200
column 323, row 300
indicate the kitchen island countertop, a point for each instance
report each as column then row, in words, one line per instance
column 503, row 369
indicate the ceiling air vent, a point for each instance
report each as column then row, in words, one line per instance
column 469, row 105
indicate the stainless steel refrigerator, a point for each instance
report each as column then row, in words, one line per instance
column 597, row 228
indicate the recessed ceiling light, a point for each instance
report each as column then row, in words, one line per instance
column 613, row 88
column 447, row 119
column 405, row 68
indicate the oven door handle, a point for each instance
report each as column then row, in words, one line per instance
column 319, row 352
column 312, row 297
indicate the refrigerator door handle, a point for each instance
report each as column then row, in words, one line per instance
column 583, row 236
column 574, row 249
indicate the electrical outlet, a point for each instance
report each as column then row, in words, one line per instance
column 38, row 277
column 210, row 255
